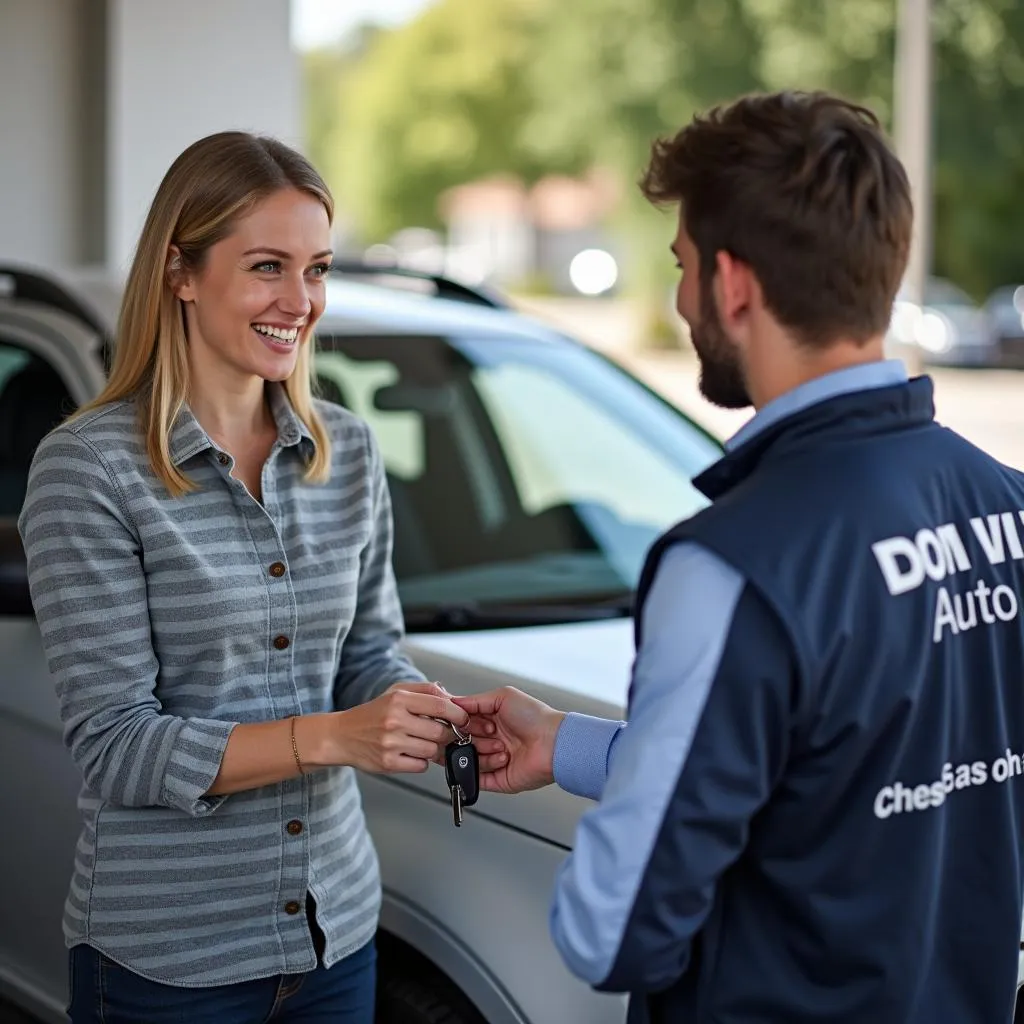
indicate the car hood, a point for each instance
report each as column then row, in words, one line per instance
column 587, row 662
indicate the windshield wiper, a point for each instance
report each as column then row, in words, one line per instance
column 502, row 615
column 621, row 601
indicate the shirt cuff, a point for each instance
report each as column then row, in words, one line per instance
column 194, row 764
column 582, row 747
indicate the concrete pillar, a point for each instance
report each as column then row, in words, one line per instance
column 47, row 170
column 99, row 96
column 179, row 71
column 913, row 129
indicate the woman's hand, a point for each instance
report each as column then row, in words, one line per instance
column 395, row 732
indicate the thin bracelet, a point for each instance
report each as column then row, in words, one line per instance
column 295, row 750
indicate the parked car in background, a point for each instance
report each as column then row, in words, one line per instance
column 1005, row 310
column 528, row 475
column 947, row 329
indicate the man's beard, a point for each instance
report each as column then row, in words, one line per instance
column 721, row 375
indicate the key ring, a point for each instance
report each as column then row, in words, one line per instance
column 463, row 738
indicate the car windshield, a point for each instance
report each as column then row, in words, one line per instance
column 526, row 476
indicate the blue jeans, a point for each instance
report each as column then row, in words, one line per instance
column 103, row 992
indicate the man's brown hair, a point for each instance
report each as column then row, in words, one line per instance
column 805, row 189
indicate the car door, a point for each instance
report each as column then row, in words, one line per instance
column 47, row 368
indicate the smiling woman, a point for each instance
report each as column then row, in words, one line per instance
column 236, row 236
column 209, row 556
column 249, row 309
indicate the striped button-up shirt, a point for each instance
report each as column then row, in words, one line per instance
column 165, row 622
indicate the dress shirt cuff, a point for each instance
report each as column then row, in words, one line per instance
column 194, row 763
column 582, row 747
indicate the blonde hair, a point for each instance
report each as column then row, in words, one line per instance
column 208, row 188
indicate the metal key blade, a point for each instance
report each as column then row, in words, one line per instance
column 457, row 805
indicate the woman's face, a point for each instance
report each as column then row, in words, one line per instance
column 260, row 291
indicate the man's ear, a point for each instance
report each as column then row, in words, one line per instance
column 178, row 277
column 738, row 290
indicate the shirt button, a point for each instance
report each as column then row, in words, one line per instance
column 277, row 570
column 294, row 827
column 292, row 907
column 281, row 642
column 223, row 458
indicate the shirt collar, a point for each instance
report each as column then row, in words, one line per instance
column 188, row 438
column 881, row 374
column 290, row 428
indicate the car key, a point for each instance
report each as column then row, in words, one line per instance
column 461, row 769
column 456, row 791
column 462, row 772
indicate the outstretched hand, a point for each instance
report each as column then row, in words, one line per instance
column 490, row 750
column 524, row 727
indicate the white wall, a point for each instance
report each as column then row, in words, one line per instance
column 97, row 97
column 43, row 164
column 181, row 70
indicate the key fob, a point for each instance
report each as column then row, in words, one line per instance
column 462, row 769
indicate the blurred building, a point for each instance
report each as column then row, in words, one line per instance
column 502, row 231
column 99, row 96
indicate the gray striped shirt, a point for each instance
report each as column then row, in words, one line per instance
column 165, row 621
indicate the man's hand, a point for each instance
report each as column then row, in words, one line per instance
column 526, row 728
column 490, row 750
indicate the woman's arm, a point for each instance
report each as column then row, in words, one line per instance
column 89, row 594
column 90, row 597
column 393, row 733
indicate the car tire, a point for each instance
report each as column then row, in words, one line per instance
column 413, row 1000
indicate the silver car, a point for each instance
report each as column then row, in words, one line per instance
column 947, row 329
column 528, row 475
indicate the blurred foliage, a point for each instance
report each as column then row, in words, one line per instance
column 477, row 87
column 979, row 175
column 440, row 102
column 536, row 284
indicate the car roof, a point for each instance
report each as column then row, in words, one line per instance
column 357, row 305
column 394, row 305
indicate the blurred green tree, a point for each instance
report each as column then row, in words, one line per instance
column 474, row 87
column 979, row 170
column 648, row 64
column 326, row 75
column 437, row 103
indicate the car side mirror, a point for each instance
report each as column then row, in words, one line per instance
column 15, row 599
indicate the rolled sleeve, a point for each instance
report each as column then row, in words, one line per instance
column 582, row 748
column 89, row 592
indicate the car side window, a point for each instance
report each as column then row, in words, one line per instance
column 33, row 400
column 353, row 384
column 559, row 443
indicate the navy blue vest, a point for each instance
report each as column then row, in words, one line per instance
column 883, row 882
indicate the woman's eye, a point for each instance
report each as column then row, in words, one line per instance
column 269, row 267
column 320, row 269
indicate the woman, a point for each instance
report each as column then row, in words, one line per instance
column 209, row 558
